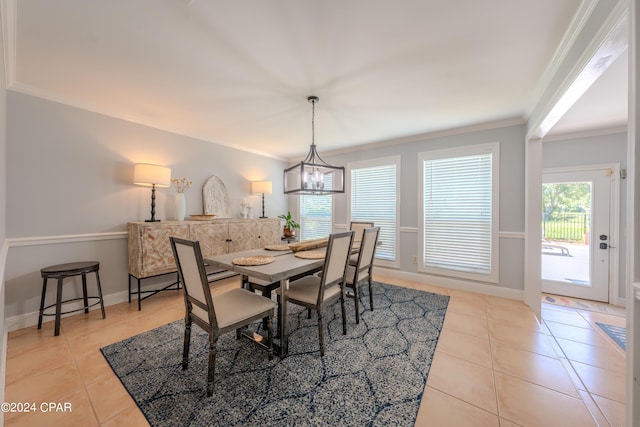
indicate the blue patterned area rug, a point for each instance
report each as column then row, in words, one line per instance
column 617, row 333
column 374, row 375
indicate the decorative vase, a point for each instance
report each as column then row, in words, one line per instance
column 288, row 233
column 181, row 206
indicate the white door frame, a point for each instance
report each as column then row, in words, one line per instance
column 632, row 386
column 614, row 220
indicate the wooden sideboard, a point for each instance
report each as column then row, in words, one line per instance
column 150, row 252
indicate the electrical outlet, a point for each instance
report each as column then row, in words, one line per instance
column 415, row 259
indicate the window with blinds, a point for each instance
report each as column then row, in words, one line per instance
column 459, row 217
column 374, row 189
column 316, row 215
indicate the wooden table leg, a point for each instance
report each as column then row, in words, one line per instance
column 284, row 325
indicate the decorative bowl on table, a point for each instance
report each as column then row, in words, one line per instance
column 203, row 217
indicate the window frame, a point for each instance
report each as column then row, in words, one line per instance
column 382, row 161
column 492, row 148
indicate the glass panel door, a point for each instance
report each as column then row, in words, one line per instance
column 575, row 234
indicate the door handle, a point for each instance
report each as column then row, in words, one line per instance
column 606, row 246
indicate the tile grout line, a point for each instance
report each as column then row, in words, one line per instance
column 458, row 398
column 84, row 383
column 493, row 369
column 594, row 410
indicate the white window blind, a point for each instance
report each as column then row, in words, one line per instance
column 374, row 198
column 315, row 215
column 459, row 212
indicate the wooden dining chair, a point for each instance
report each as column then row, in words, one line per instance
column 316, row 292
column 358, row 227
column 363, row 268
column 216, row 314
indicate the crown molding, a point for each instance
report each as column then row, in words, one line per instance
column 496, row 124
column 72, row 102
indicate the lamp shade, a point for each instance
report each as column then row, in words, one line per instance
column 261, row 187
column 149, row 175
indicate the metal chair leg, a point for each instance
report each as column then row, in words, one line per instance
column 100, row 294
column 84, row 293
column 44, row 293
column 58, row 306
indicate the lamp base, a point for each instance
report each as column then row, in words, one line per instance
column 263, row 217
column 152, row 220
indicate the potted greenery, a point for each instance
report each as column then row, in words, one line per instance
column 289, row 225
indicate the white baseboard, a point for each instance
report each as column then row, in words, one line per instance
column 447, row 282
column 31, row 319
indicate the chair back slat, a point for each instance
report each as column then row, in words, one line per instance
column 338, row 251
column 194, row 278
column 359, row 227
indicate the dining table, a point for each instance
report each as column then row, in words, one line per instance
column 284, row 267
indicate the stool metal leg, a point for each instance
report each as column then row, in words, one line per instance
column 84, row 293
column 100, row 293
column 44, row 292
column 58, row 306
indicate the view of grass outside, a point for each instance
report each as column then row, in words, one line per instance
column 566, row 212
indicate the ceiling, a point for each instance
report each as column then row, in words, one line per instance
column 238, row 72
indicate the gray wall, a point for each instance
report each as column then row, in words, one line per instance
column 69, row 173
column 512, row 201
column 595, row 150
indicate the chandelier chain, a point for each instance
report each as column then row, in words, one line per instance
column 313, row 122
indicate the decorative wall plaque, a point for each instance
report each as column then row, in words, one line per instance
column 215, row 199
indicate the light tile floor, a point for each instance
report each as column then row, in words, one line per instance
column 495, row 365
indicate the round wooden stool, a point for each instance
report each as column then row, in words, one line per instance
column 60, row 272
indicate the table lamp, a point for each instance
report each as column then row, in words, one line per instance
column 261, row 187
column 152, row 176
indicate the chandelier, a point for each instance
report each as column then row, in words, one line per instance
column 313, row 175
